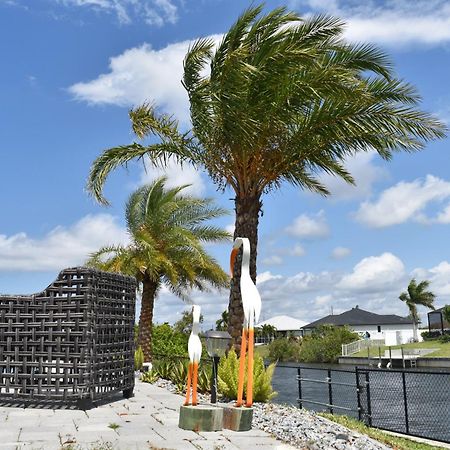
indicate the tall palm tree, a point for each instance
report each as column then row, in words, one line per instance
column 167, row 231
column 417, row 294
column 284, row 100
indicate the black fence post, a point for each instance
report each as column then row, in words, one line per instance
column 405, row 401
column 299, row 378
column 330, row 391
column 369, row 407
column 358, row 392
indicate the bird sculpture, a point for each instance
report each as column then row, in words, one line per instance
column 251, row 303
column 195, row 353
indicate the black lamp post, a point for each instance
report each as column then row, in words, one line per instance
column 217, row 343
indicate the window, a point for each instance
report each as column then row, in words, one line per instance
column 379, row 328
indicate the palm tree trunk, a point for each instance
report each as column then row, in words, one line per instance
column 415, row 337
column 146, row 318
column 246, row 225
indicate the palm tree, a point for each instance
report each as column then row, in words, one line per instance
column 167, row 230
column 446, row 314
column 417, row 295
column 285, row 99
column 222, row 323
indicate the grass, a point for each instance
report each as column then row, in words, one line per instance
column 114, row 426
column 262, row 350
column 442, row 349
column 399, row 443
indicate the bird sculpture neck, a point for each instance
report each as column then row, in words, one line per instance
column 195, row 319
column 245, row 270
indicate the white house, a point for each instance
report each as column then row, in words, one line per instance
column 285, row 325
column 391, row 328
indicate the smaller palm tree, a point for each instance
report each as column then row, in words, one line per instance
column 417, row 294
column 167, row 231
column 222, row 323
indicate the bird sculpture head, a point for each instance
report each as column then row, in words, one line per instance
column 238, row 243
column 196, row 314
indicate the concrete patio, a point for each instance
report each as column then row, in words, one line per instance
column 149, row 420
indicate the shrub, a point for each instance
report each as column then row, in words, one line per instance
column 166, row 341
column 138, row 358
column 445, row 338
column 150, row 376
column 430, row 335
column 163, row 368
column 325, row 344
column 204, row 379
column 178, row 374
column 434, row 335
column 283, row 349
column 228, row 378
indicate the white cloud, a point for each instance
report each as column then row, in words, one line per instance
column 405, row 201
column 154, row 12
column 340, row 252
column 138, row 75
column 374, row 273
column 444, row 215
column 61, row 247
column 142, row 74
column 309, row 226
column 273, row 260
column 323, row 300
column 297, row 250
column 389, row 22
column 374, row 284
column 163, row 10
column 439, row 277
column 365, row 173
column 230, row 228
column 266, row 276
column 176, row 176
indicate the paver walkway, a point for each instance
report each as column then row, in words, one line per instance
column 149, row 420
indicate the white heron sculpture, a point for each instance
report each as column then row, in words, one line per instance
column 251, row 303
column 195, row 353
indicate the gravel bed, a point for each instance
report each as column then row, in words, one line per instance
column 306, row 430
column 298, row 427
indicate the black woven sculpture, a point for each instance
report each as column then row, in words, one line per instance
column 73, row 342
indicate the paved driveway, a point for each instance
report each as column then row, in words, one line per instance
column 149, row 420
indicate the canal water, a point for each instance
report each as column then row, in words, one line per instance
column 427, row 412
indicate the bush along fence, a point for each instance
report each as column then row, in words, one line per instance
column 410, row 402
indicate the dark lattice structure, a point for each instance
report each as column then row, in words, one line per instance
column 71, row 343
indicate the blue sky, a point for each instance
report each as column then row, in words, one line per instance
column 73, row 68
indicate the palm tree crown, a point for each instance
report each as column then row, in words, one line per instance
column 167, row 231
column 284, row 99
column 417, row 294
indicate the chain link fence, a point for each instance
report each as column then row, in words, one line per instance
column 409, row 402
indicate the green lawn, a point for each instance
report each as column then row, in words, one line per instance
column 398, row 443
column 262, row 350
column 443, row 350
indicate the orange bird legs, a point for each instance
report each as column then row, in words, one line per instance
column 195, row 352
column 251, row 303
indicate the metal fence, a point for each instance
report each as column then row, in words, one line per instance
column 410, row 402
column 357, row 346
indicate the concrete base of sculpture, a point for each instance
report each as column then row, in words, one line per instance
column 237, row 419
column 201, row 418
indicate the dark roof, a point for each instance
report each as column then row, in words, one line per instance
column 357, row 316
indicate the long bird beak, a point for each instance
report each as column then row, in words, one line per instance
column 233, row 255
